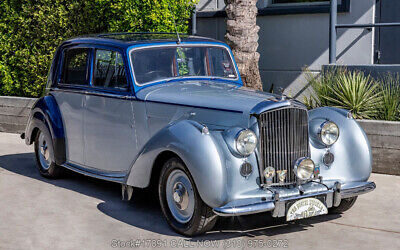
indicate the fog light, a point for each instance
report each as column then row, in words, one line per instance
column 304, row 168
column 269, row 172
column 246, row 169
column 328, row 158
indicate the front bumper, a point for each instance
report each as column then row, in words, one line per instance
column 277, row 205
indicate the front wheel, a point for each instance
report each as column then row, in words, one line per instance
column 180, row 202
column 345, row 205
column 45, row 155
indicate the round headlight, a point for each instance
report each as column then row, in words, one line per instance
column 246, row 142
column 329, row 133
column 304, row 168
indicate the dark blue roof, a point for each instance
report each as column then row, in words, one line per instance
column 128, row 39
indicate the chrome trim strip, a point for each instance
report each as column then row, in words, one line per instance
column 114, row 177
column 271, row 105
column 93, row 93
column 355, row 191
column 277, row 206
column 245, row 209
column 194, row 106
column 180, row 45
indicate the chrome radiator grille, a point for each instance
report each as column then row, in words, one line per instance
column 283, row 139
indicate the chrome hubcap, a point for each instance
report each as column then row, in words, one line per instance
column 44, row 152
column 180, row 196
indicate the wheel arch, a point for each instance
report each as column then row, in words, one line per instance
column 158, row 163
column 199, row 153
column 34, row 133
column 45, row 114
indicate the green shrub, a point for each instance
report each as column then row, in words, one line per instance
column 389, row 88
column 151, row 15
column 349, row 90
column 31, row 30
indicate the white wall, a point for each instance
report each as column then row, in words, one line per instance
column 210, row 5
column 288, row 43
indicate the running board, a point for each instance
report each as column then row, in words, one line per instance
column 114, row 177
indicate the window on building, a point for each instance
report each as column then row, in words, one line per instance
column 272, row 3
column 296, row 1
column 267, row 7
column 109, row 70
column 75, row 66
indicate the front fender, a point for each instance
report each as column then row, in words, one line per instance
column 352, row 151
column 45, row 114
column 199, row 151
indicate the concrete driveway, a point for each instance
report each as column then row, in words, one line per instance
column 80, row 212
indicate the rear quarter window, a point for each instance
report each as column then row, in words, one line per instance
column 75, row 66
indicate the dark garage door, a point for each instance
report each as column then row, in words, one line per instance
column 387, row 40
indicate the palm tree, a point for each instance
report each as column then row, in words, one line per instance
column 242, row 37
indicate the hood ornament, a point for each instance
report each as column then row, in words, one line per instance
column 281, row 175
column 281, row 91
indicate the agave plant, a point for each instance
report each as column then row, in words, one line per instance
column 390, row 105
column 351, row 90
column 319, row 87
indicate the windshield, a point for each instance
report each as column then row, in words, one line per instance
column 163, row 63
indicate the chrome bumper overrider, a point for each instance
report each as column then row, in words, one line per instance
column 277, row 205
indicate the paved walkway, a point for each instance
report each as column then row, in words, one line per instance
column 80, row 212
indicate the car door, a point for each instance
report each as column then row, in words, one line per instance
column 70, row 96
column 109, row 131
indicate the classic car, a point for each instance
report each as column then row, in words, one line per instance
column 149, row 110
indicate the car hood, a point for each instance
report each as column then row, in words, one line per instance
column 209, row 94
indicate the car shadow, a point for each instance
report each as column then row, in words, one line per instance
column 144, row 212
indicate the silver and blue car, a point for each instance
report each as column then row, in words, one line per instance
column 149, row 110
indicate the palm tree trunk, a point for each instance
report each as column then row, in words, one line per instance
column 242, row 37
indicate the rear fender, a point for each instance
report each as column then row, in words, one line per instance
column 45, row 114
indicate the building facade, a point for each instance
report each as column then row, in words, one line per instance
column 294, row 35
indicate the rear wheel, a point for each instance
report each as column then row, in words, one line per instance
column 45, row 155
column 180, row 202
column 345, row 205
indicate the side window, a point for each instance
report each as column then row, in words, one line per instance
column 75, row 66
column 109, row 70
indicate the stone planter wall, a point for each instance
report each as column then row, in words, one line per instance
column 384, row 138
column 14, row 113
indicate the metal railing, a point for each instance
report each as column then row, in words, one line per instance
column 333, row 27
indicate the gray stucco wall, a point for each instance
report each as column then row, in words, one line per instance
column 288, row 43
column 377, row 70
